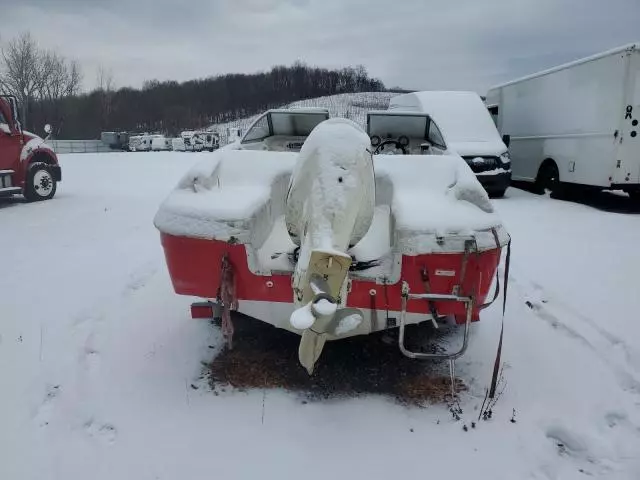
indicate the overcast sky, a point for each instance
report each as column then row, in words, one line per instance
column 420, row 44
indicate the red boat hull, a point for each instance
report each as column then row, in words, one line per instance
column 194, row 267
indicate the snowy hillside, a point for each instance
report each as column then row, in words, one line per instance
column 347, row 105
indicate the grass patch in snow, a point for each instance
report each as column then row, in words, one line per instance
column 266, row 357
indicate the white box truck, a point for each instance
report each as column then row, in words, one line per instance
column 575, row 126
column 468, row 130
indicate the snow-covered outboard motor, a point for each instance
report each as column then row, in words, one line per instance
column 330, row 206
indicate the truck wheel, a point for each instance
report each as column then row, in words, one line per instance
column 548, row 178
column 40, row 184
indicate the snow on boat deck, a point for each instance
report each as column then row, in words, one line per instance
column 240, row 194
column 97, row 355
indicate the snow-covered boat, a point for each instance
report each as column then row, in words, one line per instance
column 333, row 241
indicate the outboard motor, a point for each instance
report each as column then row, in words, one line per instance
column 330, row 206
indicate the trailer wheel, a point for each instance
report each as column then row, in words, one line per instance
column 548, row 178
column 40, row 184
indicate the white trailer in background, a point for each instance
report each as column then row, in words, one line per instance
column 145, row 141
column 234, row 134
column 135, row 143
column 177, row 144
column 210, row 140
column 576, row 124
column 197, row 141
column 187, row 139
column 160, row 143
column 115, row 140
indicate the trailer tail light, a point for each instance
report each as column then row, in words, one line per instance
column 203, row 310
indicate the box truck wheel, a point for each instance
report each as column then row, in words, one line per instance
column 548, row 177
column 40, row 184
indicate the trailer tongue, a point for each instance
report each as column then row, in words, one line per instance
column 334, row 242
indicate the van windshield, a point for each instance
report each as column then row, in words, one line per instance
column 461, row 116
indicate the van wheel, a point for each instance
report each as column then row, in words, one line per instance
column 548, row 178
column 40, row 184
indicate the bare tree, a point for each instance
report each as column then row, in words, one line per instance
column 104, row 79
column 59, row 78
column 105, row 89
column 35, row 75
column 21, row 75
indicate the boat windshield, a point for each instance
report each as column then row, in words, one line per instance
column 285, row 124
column 296, row 124
column 393, row 126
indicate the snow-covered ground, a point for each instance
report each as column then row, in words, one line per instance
column 97, row 355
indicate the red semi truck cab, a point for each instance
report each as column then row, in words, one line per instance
column 28, row 166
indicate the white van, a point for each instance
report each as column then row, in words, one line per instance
column 468, row 130
column 575, row 125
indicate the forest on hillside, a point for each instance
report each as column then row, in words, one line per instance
column 47, row 85
column 169, row 107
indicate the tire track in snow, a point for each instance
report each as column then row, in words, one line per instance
column 585, row 331
column 632, row 356
column 583, row 451
column 583, row 447
column 45, row 410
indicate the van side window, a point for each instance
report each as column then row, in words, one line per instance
column 435, row 137
column 494, row 111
